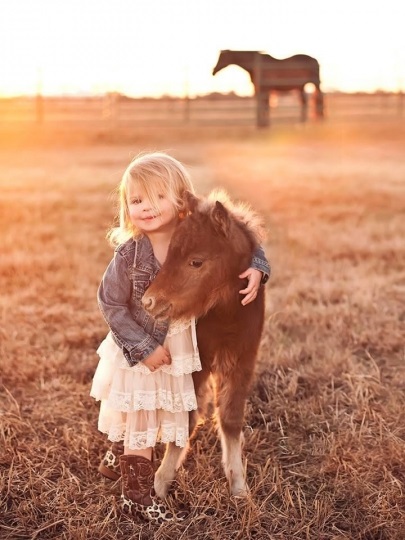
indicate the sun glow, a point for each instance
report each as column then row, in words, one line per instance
column 156, row 47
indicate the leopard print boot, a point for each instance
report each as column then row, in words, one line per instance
column 110, row 464
column 138, row 497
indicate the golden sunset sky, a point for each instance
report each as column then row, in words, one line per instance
column 155, row 47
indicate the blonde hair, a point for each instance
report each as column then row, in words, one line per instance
column 154, row 173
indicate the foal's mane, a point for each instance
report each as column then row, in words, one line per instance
column 241, row 211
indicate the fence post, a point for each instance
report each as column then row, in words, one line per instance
column 39, row 99
column 262, row 96
column 400, row 103
column 109, row 108
column 186, row 117
column 39, row 108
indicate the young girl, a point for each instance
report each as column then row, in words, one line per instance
column 144, row 377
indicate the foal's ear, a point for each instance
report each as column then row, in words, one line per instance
column 190, row 201
column 220, row 217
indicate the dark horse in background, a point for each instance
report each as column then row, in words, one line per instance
column 269, row 74
column 207, row 252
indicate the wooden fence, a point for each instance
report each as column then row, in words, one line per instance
column 116, row 110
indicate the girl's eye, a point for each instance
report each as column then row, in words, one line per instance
column 160, row 196
column 195, row 263
column 136, row 201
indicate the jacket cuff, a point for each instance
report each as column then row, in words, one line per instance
column 139, row 353
column 263, row 268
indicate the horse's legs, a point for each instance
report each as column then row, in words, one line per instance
column 174, row 455
column 318, row 102
column 232, row 392
column 262, row 108
column 304, row 105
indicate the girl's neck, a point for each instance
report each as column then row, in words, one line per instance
column 160, row 244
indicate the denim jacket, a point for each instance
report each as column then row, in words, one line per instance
column 126, row 279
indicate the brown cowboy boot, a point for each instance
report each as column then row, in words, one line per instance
column 138, row 496
column 110, row 464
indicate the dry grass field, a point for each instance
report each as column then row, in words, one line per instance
column 325, row 425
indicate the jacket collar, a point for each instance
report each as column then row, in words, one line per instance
column 144, row 258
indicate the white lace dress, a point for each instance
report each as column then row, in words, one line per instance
column 140, row 407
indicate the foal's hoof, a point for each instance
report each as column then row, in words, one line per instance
column 241, row 491
column 162, row 486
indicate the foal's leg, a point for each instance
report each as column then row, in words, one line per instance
column 174, row 455
column 167, row 471
column 232, row 391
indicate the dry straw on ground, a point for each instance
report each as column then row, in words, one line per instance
column 325, row 427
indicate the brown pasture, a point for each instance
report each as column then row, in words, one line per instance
column 325, row 425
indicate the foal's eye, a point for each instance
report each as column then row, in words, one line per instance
column 195, row 263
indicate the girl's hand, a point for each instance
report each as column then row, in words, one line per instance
column 158, row 358
column 254, row 277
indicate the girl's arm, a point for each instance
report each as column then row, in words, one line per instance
column 114, row 295
column 257, row 274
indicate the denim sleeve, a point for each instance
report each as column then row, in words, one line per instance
column 260, row 262
column 114, row 295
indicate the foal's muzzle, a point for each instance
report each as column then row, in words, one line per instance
column 159, row 310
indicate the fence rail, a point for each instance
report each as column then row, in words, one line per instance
column 119, row 110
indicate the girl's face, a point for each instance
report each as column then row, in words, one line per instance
column 145, row 217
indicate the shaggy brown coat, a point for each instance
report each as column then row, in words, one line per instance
column 208, row 251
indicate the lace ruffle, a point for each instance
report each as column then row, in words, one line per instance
column 152, row 400
column 148, row 439
column 176, row 327
column 178, row 367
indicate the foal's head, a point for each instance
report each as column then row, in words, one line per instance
column 207, row 252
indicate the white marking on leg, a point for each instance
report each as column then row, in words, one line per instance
column 167, row 471
column 232, row 463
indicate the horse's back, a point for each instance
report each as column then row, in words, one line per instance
column 302, row 60
column 305, row 58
